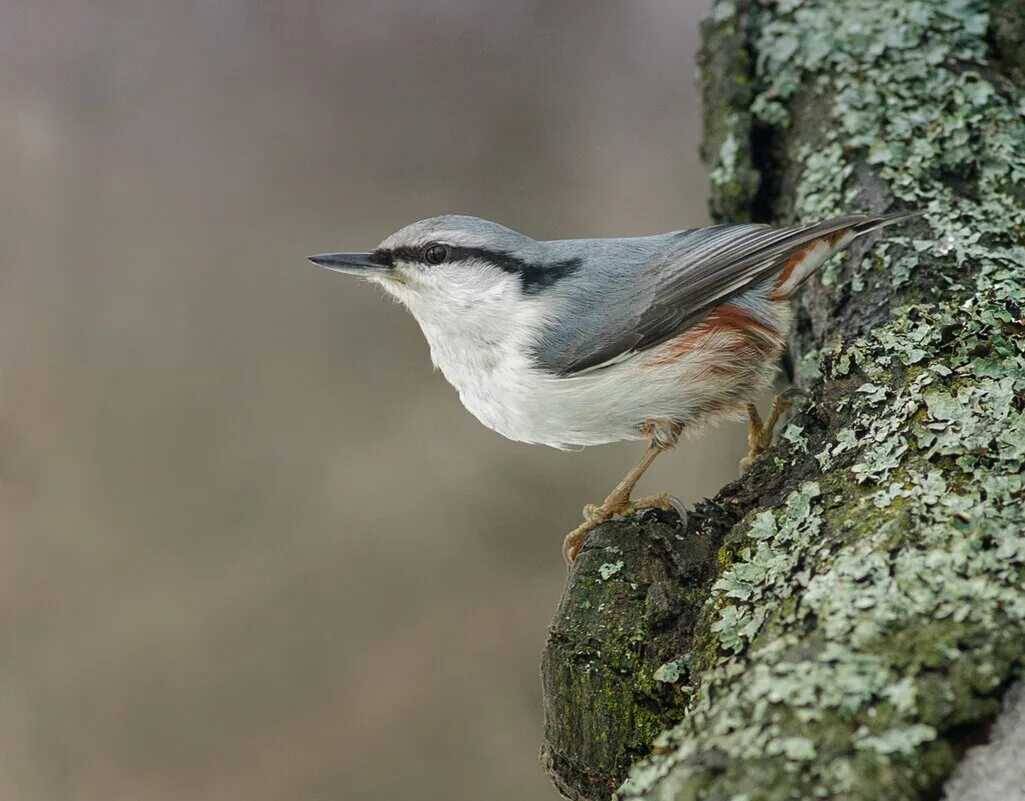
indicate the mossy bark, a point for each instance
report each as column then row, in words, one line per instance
column 842, row 621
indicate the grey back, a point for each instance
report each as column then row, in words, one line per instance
column 632, row 294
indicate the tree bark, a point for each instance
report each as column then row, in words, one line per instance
column 844, row 620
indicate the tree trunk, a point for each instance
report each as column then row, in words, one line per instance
column 844, row 620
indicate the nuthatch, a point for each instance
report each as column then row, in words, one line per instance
column 578, row 342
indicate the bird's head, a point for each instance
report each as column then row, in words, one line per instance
column 453, row 264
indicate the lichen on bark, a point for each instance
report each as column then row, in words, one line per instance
column 613, row 664
column 865, row 606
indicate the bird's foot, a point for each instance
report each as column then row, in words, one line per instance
column 614, row 506
column 759, row 433
column 574, row 542
column 660, row 500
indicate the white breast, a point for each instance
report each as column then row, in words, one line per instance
column 483, row 351
column 500, row 386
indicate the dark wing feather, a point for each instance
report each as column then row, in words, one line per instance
column 696, row 272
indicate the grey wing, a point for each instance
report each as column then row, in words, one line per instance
column 624, row 310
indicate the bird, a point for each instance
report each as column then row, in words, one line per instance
column 572, row 343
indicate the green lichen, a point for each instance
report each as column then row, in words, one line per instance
column 669, row 672
column 726, row 82
column 609, row 569
column 855, row 626
column 613, row 670
column 724, row 172
column 1009, row 37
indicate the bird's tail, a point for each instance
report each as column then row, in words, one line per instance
column 814, row 253
column 872, row 223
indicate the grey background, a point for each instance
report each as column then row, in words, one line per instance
column 251, row 546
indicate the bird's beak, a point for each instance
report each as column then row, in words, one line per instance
column 361, row 264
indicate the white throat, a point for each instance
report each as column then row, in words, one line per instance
column 474, row 335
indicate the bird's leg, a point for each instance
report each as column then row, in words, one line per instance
column 754, row 437
column 759, row 433
column 618, row 502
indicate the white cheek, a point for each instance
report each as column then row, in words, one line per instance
column 402, row 291
column 460, row 288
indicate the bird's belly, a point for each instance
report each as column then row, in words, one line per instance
column 611, row 404
column 529, row 405
column 537, row 413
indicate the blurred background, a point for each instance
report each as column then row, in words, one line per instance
column 251, row 546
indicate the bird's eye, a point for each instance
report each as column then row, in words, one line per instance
column 435, row 254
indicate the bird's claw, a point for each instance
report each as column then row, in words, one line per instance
column 759, row 434
column 595, row 515
column 574, row 541
column 794, row 393
column 659, row 500
column 678, row 507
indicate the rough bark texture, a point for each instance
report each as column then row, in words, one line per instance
column 843, row 621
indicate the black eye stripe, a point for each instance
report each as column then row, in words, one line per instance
column 382, row 257
column 533, row 276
